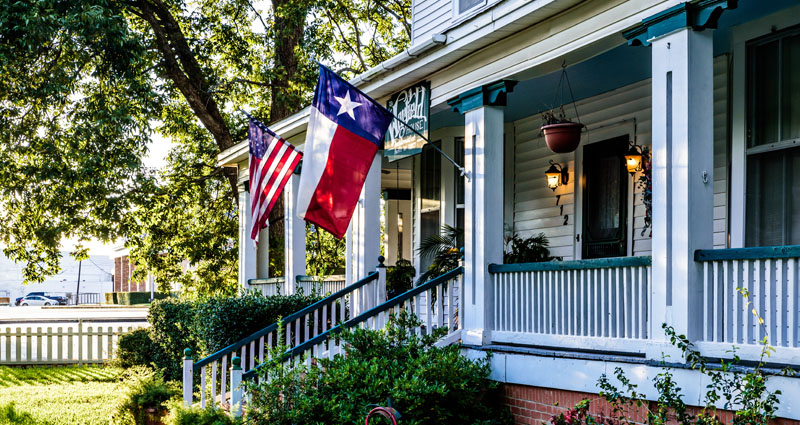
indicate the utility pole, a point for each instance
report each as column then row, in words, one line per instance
column 78, row 290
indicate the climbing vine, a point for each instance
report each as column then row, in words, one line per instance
column 645, row 183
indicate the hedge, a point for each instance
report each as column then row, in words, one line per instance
column 131, row 298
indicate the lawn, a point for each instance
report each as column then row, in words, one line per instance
column 58, row 395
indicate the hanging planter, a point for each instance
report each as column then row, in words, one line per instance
column 560, row 134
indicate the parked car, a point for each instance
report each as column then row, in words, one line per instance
column 37, row 300
column 59, row 300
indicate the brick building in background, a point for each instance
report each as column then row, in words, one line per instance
column 123, row 273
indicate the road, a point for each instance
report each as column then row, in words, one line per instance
column 61, row 314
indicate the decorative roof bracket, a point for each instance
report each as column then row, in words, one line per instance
column 698, row 15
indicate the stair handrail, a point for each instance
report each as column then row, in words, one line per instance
column 294, row 351
column 330, row 299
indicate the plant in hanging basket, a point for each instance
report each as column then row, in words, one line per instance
column 560, row 134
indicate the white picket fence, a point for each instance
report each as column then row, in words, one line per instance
column 62, row 345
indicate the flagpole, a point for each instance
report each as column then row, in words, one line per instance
column 462, row 170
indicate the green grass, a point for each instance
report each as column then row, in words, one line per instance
column 58, row 395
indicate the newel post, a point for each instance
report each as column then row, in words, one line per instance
column 188, row 373
column 381, row 292
column 236, row 387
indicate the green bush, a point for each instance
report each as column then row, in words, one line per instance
column 172, row 330
column 132, row 298
column 426, row 384
column 137, row 349
column 180, row 415
column 221, row 321
column 111, row 297
column 146, row 395
column 205, row 326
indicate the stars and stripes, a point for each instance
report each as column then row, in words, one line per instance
column 272, row 162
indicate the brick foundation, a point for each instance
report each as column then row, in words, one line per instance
column 535, row 405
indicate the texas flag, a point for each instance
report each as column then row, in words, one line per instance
column 345, row 130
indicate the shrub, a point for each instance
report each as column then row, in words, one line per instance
column 221, row 321
column 743, row 391
column 426, row 384
column 146, row 394
column 172, row 330
column 137, row 349
column 180, row 415
column 205, row 326
column 132, row 298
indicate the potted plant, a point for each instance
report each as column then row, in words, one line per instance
column 560, row 134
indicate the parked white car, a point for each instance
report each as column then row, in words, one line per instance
column 37, row 300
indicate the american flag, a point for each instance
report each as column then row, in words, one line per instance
column 272, row 162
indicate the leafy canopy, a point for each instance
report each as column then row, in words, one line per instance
column 86, row 84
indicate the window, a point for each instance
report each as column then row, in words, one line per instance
column 773, row 132
column 465, row 5
column 605, row 199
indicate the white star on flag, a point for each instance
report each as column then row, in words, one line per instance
column 347, row 105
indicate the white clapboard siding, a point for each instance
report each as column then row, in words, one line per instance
column 721, row 151
column 429, row 17
column 535, row 209
column 606, row 115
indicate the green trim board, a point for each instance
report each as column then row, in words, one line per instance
column 756, row 253
column 290, row 318
column 597, row 263
column 698, row 15
column 364, row 316
column 267, row 281
column 494, row 94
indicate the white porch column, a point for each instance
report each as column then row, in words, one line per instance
column 262, row 254
column 682, row 177
column 483, row 232
column 248, row 268
column 295, row 237
column 364, row 232
column 483, row 215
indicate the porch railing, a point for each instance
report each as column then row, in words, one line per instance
column 565, row 303
column 308, row 284
column 299, row 327
column 769, row 275
column 441, row 311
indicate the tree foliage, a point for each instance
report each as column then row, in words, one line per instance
column 86, row 84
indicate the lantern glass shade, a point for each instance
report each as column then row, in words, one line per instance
column 633, row 160
column 553, row 175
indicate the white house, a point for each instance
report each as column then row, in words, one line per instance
column 710, row 87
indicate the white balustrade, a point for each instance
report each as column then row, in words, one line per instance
column 296, row 329
column 743, row 287
column 579, row 304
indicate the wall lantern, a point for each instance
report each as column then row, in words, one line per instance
column 556, row 175
column 633, row 158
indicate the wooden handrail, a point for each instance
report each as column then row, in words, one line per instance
column 597, row 263
column 288, row 319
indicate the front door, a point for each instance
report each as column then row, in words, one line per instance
column 605, row 198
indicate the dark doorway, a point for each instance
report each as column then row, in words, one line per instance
column 605, row 199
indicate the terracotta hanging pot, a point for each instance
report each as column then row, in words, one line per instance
column 561, row 134
column 562, row 137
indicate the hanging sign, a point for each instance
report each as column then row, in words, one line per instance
column 411, row 105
